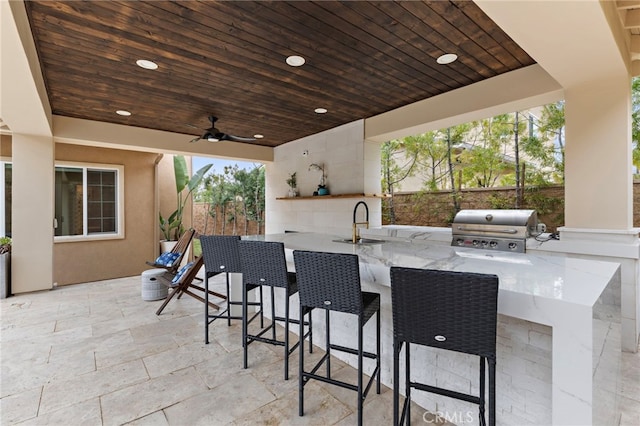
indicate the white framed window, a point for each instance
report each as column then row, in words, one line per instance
column 89, row 201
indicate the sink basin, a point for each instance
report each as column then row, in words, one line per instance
column 360, row 241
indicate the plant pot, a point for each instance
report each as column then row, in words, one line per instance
column 293, row 192
column 166, row 245
column 323, row 191
column 5, row 275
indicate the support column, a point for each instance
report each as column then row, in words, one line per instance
column 32, row 213
column 598, row 167
column 599, row 187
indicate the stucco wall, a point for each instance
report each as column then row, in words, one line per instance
column 77, row 262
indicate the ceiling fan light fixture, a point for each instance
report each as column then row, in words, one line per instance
column 123, row 112
column 212, row 134
column 147, row 64
column 447, row 58
column 258, row 136
column 295, row 61
column 320, row 110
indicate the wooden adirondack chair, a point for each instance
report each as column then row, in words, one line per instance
column 183, row 283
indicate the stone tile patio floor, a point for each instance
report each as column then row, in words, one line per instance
column 96, row 354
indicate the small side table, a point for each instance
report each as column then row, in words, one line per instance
column 152, row 288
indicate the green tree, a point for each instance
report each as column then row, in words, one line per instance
column 635, row 121
column 394, row 173
column 552, row 129
column 231, row 207
column 485, row 162
column 432, row 161
column 217, row 194
column 233, row 194
column 250, row 187
column 398, row 162
column 454, row 136
column 400, row 159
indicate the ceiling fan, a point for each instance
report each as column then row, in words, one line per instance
column 212, row 134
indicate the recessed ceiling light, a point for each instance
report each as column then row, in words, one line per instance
column 447, row 58
column 320, row 110
column 258, row 136
column 148, row 65
column 123, row 112
column 295, row 60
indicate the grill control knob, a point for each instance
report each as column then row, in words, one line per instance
column 513, row 246
column 475, row 243
column 493, row 244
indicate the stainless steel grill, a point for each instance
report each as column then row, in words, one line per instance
column 501, row 230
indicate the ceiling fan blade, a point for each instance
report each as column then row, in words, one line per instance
column 233, row 138
column 195, row 139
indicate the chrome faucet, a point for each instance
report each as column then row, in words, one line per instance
column 355, row 237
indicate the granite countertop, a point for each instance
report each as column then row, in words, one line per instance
column 548, row 278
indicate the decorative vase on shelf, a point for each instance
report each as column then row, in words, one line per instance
column 293, row 183
column 322, row 187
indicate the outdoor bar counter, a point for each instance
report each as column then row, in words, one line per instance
column 557, row 347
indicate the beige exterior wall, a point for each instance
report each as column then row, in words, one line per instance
column 5, row 146
column 83, row 261
column 147, row 188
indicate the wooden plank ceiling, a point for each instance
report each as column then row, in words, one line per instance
column 228, row 59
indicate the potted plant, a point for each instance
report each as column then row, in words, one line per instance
column 322, row 187
column 5, row 267
column 292, row 181
column 172, row 227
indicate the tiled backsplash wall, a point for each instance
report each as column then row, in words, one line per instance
column 352, row 166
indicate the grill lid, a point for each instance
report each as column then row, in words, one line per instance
column 526, row 218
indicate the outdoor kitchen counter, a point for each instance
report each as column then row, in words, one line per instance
column 560, row 292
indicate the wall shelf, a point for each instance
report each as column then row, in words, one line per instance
column 324, row 197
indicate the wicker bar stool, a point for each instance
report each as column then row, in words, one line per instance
column 456, row 311
column 331, row 281
column 220, row 253
column 264, row 264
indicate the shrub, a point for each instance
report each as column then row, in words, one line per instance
column 5, row 245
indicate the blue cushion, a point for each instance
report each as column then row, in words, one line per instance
column 167, row 259
column 162, row 259
column 172, row 258
column 181, row 272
